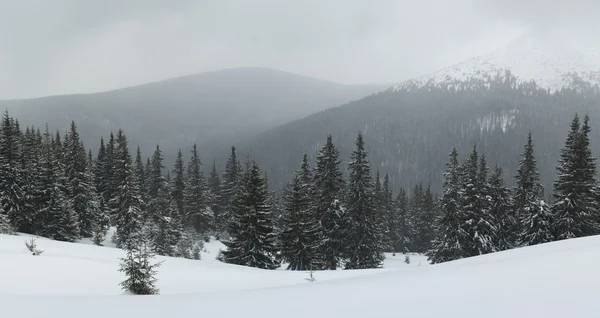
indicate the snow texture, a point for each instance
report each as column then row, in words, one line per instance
column 76, row 280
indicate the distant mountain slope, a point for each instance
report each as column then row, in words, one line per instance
column 212, row 109
column 410, row 128
column 551, row 63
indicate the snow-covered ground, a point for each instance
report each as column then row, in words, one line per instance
column 560, row 279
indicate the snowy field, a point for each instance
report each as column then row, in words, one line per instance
column 71, row 280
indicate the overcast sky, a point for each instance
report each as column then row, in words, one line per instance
column 79, row 46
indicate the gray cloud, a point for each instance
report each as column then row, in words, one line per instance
column 71, row 46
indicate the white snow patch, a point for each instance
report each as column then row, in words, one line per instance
column 552, row 64
column 71, row 280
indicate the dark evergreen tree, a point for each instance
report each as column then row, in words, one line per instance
column 329, row 193
column 140, row 175
column 390, row 217
column 528, row 197
column 413, row 214
column 450, row 235
column 100, row 178
column 300, row 239
column 111, row 183
column 476, row 224
column 425, row 220
column 125, row 206
column 252, row 234
column 57, row 219
column 156, row 184
column 178, row 184
column 197, row 212
column 11, row 183
column 364, row 248
column 501, row 209
column 403, row 227
column 212, row 195
column 575, row 206
column 80, row 187
column 228, row 189
column 141, row 274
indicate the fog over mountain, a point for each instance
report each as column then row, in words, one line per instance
column 212, row 109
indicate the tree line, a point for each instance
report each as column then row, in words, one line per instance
column 480, row 215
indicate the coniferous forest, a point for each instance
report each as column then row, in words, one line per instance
column 53, row 186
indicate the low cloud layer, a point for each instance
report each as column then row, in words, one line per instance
column 71, row 46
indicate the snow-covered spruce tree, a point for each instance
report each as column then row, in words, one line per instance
column 329, row 192
column 139, row 271
column 11, row 183
column 413, row 213
column 163, row 229
column 575, row 206
column 364, row 248
column 198, row 214
column 156, row 184
column 447, row 246
column 425, row 221
column 57, row 219
column 212, row 195
column 80, row 186
column 501, row 209
column 403, row 227
column 140, row 174
column 178, row 186
column 533, row 224
column 100, row 179
column 111, row 182
column 5, row 226
column 390, row 224
column 476, row 223
column 300, row 239
column 227, row 191
column 125, row 206
column 252, row 241
column 485, row 228
column 25, row 220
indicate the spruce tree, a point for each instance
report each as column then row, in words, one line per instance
column 80, row 187
column 57, row 219
column 100, row 178
column 576, row 206
column 534, row 220
column 140, row 273
column 11, row 196
column 178, row 185
column 403, row 227
column 450, row 235
column 364, row 248
column 228, row 189
column 212, row 195
column 300, row 239
column 485, row 228
column 140, row 175
column 425, row 221
column 390, row 224
column 25, row 221
column 197, row 212
column 329, row 192
column 476, row 224
column 252, row 241
column 501, row 209
column 125, row 206
column 111, row 183
column 156, row 185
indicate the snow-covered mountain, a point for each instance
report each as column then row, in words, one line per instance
column 551, row 62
